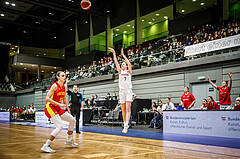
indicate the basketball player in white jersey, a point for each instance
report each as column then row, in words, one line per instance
column 125, row 87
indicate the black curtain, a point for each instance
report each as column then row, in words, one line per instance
column 4, row 60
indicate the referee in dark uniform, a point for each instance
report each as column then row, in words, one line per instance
column 76, row 99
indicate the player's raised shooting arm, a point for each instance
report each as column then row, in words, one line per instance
column 127, row 61
column 230, row 80
column 115, row 59
column 211, row 82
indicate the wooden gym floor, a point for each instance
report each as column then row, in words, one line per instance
column 18, row 141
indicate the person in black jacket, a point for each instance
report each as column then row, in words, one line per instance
column 76, row 100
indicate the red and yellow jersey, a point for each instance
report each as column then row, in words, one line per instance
column 58, row 94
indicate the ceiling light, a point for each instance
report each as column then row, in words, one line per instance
column 21, row 63
column 52, row 72
column 183, row 10
column 108, row 11
column 63, row 55
column 7, row 3
column 142, row 20
column 25, row 32
column 124, row 31
column 25, row 68
column 32, row 65
column 153, row 19
column 157, row 14
column 13, row 4
column 15, row 63
column 194, row 0
column 86, row 22
column 116, row 34
column 55, row 67
column 117, row 29
column 37, row 55
column 54, row 37
column 71, row 29
column 132, row 26
column 150, row 22
column 15, row 46
column 44, row 54
column 202, row 4
column 42, row 71
column 51, row 13
column 165, row 17
column 128, row 25
column 2, row 15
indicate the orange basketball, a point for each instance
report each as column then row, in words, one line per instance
column 86, row 4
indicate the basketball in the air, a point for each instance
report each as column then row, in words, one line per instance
column 86, row 4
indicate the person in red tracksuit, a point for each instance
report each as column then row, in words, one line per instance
column 224, row 92
column 212, row 105
column 187, row 99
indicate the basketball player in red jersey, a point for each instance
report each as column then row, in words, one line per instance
column 224, row 92
column 125, row 87
column 53, row 111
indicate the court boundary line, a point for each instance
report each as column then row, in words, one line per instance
column 170, row 148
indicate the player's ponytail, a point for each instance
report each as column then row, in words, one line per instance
column 55, row 76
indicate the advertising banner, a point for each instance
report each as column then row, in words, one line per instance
column 214, row 45
column 207, row 123
column 4, row 116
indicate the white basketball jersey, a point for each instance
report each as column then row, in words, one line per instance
column 125, row 80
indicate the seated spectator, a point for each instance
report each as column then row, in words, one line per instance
column 92, row 99
column 15, row 113
column 108, row 97
column 158, row 112
column 114, row 96
column 149, row 47
column 25, row 112
column 212, row 105
column 67, row 73
column 204, row 104
column 29, row 112
column 162, row 56
column 20, row 112
column 169, row 105
column 151, row 59
column 237, row 106
column 75, row 77
column 96, row 98
column 12, row 110
column 33, row 109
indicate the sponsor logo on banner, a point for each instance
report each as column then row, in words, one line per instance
column 40, row 117
column 4, row 116
column 207, row 123
column 214, row 45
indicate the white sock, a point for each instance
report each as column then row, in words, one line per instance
column 125, row 123
column 48, row 142
column 69, row 137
